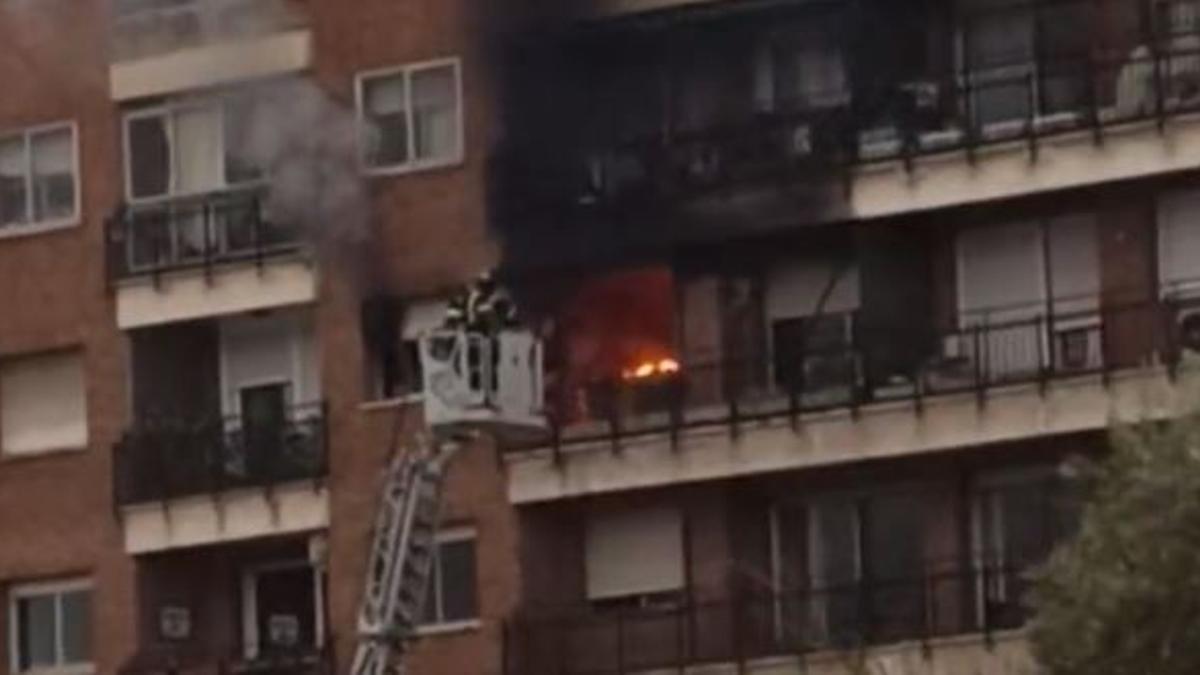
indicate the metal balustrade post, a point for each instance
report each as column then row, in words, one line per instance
column 620, row 641
column 675, row 388
column 207, row 221
column 985, row 608
column 979, row 356
column 1032, row 105
column 256, row 228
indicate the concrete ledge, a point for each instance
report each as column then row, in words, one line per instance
column 230, row 290
column 212, row 65
column 229, row 516
column 1008, row 654
column 882, row 430
column 1130, row 150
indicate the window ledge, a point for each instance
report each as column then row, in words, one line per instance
column 466, row 626
column 17, row 231
column 394, row 402
column 7, row 457
column 82, row 669
column 413, row 167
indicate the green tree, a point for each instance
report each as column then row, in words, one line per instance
column 1122, row 597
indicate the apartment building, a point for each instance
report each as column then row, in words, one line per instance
column 203, row 201
column 828, row 292
column 844, row 285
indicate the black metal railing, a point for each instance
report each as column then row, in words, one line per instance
column 1050, row 92
column 760, row 623
column 196, row 232
column 187, row 659
column 160, row 459
column 982, row 354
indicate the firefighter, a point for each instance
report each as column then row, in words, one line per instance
column 488, row 307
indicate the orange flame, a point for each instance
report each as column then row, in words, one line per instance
column 648, row 369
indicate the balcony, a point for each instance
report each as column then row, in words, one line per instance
column 176, row 661
column 196, row 233
column 162, row 460
column 167, row 46
column 985, row 382
column 205, row 255
column 184, row 482
column 692, row 157
column 950, row 620
column 248, row 607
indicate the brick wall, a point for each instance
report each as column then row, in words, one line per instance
column 56, row 516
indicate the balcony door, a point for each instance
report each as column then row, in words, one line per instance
column 282, row 610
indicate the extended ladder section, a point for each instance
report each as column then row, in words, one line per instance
column 401, row 558
column 474, row 384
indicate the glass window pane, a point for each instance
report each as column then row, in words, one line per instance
column 36, row 632
column 435, row 113
column 76, row 627
column 53, row 175
column 239, row 166
column 429, row 610
column 385, row 105
column 457, row 571
column 834, row 570
column 198, row 162
column 13, row 205
column 149, row 173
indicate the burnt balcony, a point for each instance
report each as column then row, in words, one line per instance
column 699, row 147
column 953, row 598
column 811, row 373
column 196, row 233
column 161, row 459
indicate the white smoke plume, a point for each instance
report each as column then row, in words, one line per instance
column 308, row 146
column 305, row 142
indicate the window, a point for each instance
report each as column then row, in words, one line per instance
column 188, row 149
column 868, row 554
column 282, row 609
column 634, row 555
column 412, row 116
column 50, row 627
column 1005, row 274
column 1018, row 518
column 42, row 404
column 810, row 308
column 391, row 333
column 800, row 69
column 452, row 600
column 1009, row 49
column 1179, row 242
column 38, row 177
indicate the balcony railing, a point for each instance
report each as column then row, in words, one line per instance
column 981, row 355
column 1008, row 101
column 763, row 623
column 179, row 659
column 164, row 459
column 143, row 28
column 196, row 233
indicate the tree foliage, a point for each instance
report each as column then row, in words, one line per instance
column 1122, row 597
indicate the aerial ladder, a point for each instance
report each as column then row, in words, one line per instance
column 476, row 385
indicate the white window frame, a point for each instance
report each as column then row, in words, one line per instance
column 167, row 112
column 406, row 71
column 31, row 226
column 251, row 647
column 437, row 625
column 984, row 508
column 39, row 589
